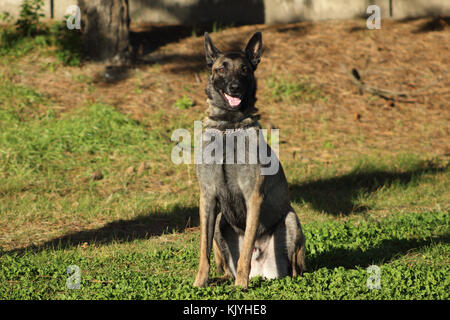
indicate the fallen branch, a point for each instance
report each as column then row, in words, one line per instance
column 383, row 93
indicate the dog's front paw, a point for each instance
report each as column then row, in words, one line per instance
column 200, row 284
column 241, row 282
column 200, row 281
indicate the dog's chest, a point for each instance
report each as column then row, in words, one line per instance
column 231, row 184
column 234, row 192
column 229, row 171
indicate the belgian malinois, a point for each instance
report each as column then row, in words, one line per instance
column 245, row 215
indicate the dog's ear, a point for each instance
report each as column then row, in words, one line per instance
column 253, row 49
column 211, row 52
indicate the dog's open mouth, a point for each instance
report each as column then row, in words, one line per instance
column 234, row 102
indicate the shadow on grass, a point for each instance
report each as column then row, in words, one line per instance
column 438, row 23
column 385, row 252
column 337, row 195
column 142, row 227
column 149, row 37
column 333, row 195
column 434, row 21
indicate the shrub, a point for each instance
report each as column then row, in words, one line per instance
column 30, row 13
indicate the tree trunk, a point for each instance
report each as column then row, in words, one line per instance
column 105, row 27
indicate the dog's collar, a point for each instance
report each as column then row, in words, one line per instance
column 230, row 131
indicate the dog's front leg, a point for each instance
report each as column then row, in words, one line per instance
column 207, row 210
column 251, row 227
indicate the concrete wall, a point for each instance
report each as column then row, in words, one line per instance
column 282, row 11
column 254, row 11
column 198, row 11
column 59, row 7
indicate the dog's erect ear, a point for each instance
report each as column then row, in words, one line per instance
column 211, row 52
column 253, row 49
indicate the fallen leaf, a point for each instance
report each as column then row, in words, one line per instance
column 97, row 175
column 130, row 170
column 142, row 168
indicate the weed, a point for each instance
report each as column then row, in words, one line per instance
column 68, row 43
column 6, row 17
column 328, row 145
column 184, row 103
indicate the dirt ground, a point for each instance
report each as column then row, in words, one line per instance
column 409, row 57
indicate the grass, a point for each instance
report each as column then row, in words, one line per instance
column 184, row 103
column 54, row 39
column 409, row 248
column 293, row 90
column 93, row 186
column 46, row 159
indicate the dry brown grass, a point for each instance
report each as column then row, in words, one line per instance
column 402, row 56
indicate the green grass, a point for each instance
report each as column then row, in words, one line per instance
column 48, row 158
column 293, row 90
column 54, row 39
column 41, row 157
column 184, row 103
column 410, row 250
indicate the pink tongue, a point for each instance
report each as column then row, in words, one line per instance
column 233, row 101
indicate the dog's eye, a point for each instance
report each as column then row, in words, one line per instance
column 220, row 70
column 244, row 69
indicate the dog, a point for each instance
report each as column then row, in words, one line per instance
column 245, row 216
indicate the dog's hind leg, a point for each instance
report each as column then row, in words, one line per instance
column 226, row 247
column 281, row 253
column 220, row 262
column 295, row 240
column 298, row 260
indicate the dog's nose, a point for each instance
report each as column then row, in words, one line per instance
column 235, row 87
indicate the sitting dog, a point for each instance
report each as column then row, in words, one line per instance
column 244, row 214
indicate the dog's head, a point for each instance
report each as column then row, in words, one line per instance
column 232, row 84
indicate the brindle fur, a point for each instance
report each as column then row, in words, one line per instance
column 242, row 211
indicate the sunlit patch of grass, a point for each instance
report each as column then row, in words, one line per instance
column 293, row 90
column 338, row 254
